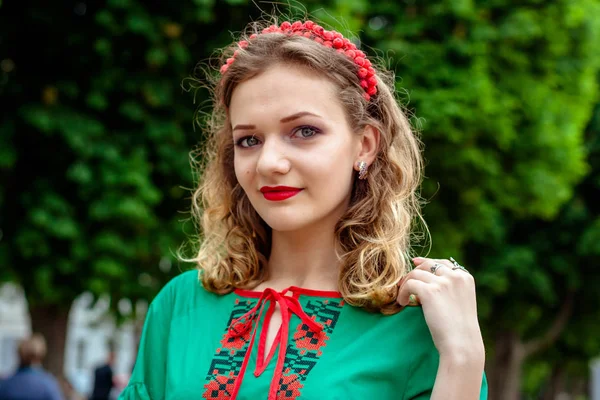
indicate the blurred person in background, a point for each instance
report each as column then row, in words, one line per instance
column 103, row 377
column 31, row 381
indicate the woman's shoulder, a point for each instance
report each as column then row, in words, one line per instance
column 184, row 282
column 411, row 321
column 182, row 294
column 408, row 326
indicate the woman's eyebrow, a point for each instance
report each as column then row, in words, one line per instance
column 283, row 120
column 244, row 127
column 298, row 115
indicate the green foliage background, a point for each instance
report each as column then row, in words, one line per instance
column 96, row 129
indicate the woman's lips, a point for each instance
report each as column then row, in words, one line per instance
column 279, row 193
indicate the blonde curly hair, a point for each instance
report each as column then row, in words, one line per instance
column 376, row 232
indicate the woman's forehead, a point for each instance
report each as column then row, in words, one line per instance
column 284, row 90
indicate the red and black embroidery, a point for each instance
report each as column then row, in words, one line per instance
column 228, row 359
column 294, row 363
column 306, row 347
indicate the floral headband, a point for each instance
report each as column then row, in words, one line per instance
column 331, row 39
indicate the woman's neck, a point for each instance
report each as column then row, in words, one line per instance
column 304, row 259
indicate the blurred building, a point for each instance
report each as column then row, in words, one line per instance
column 14, row 325
column 595, row 381
column 90, row 328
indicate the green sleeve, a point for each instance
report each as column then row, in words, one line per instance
column 425, row 362
column 149, row 373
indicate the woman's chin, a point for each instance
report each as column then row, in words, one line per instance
column 286, row 222
column 282, row 225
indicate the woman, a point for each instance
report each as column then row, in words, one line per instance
column 306, row 205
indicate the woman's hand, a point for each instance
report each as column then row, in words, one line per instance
column 449, row 305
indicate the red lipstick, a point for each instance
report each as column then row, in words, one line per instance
column 279, row 193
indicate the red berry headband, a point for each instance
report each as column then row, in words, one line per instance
column 331, row 39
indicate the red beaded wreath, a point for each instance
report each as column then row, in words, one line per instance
column 331, row 39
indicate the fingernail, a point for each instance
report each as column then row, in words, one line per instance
column 413, row 300
column 418, row 260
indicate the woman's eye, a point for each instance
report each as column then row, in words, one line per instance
column 247, row 141
column 306, row 132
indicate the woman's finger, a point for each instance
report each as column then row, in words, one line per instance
column 421, row 274
column 436, row 267
column 456, row 275
column 411, row 286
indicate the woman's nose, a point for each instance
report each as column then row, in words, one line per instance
column 272, row 158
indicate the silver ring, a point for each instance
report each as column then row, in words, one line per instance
column 435, row 267
column 458, row 266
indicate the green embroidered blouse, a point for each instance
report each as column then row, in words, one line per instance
column 196, row 344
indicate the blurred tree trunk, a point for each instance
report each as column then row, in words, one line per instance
column 557, row 383
column 506, row 365
column 51, row 321
column 580, row 388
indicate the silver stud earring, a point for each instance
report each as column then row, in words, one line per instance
column 362, row 170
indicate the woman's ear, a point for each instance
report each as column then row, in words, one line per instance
column 369, row 145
